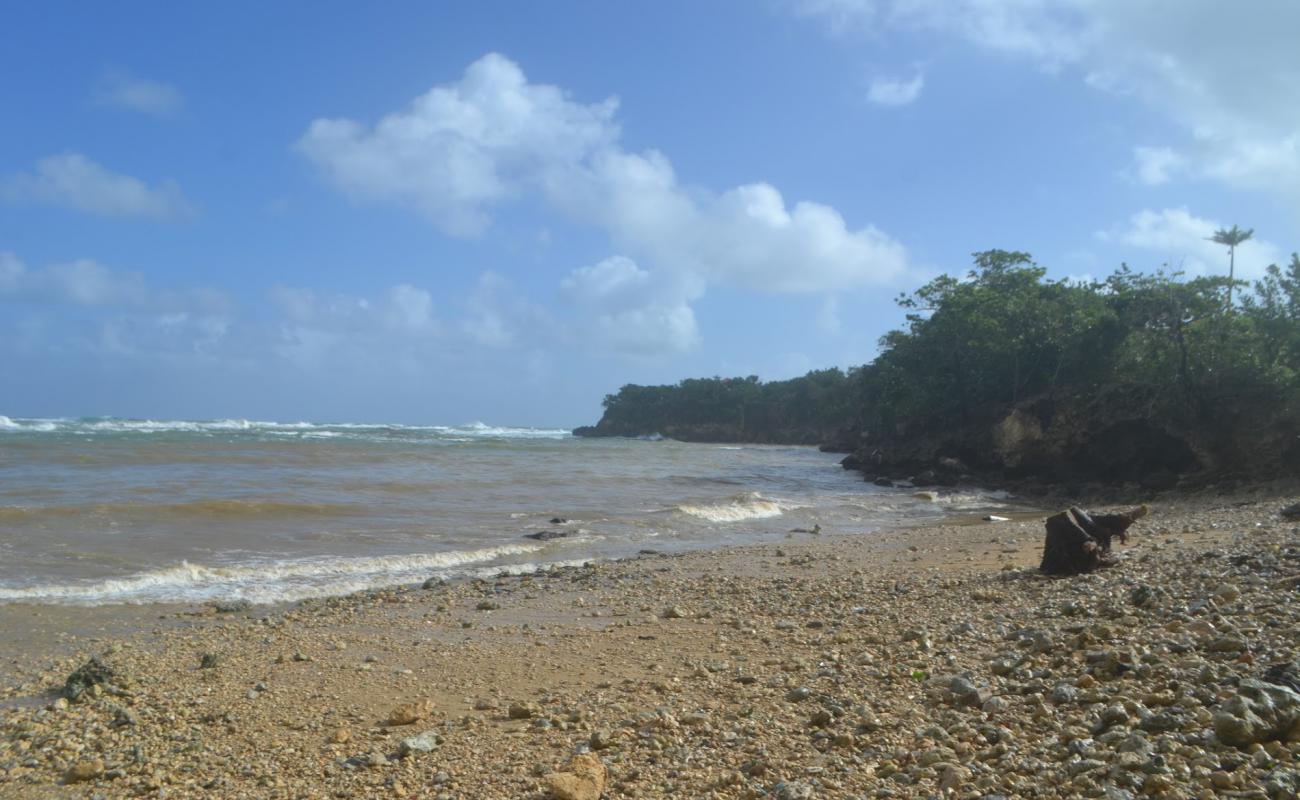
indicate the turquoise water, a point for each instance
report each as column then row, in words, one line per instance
column 110, row 510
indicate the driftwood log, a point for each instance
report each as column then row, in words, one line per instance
column 1080, row 542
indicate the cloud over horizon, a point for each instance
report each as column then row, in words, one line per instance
column 464, row 149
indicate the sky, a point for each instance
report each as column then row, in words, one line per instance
column 444, row 212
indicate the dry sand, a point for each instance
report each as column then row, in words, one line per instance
column 915, row 663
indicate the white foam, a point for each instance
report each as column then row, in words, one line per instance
column 750, row 505
column 271, row 582
column 106, row 425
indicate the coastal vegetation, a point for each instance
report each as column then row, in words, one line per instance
column 1004, row 371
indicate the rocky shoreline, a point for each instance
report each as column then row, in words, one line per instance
column 916, row 663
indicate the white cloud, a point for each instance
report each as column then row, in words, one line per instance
column 90, row 284
column 463, row 148
column 1226, row 79
column 460, row 148
column 73, row 181
column 110, row 311
column 1184, row 241
column 632, row 311
column 122, row 90
column 1157, row 165
column 885, row 91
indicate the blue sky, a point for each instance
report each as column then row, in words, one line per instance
column 448, row 212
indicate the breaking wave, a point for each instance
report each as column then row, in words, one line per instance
column 749, row 505
column 276, row 581
column 87, row 426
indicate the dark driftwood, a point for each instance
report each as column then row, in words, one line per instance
column 1080, row 542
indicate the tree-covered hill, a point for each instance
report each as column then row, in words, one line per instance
column 1004, row 373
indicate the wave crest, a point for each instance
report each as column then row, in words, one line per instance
column 749, row 505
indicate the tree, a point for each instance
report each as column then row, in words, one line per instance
column 1231, row 237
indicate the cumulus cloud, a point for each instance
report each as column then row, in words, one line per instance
column 73, row 181
column 632, row 311
column 885, row 91
column 460, row 148
column 464, row 148
column 1184, row 241
column 1227, row 82
column 118, row 89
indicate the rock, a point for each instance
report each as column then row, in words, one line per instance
column 487, row 605
column 675, row 612
column 425, row 742
column 340, row 736
column 558, row 520
column 931, row 496
column 798, row 693
column 523, row 710
column 1226, row 593
column 951, row 777
column 84, row 771
column 1285, row 674
column 231, row 606
column 209, row 661
column 432, row 583
column 883, row 482
column 600, row 740
column 1063, row 693
column 410, row 712
column 792, row 790
column 486, row 704
column 546, row 536
column 1291, row 512
column 1227, row 644
column 93, row 673
column 583, row 778
column 1258, row 712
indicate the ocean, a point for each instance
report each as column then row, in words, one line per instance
column 105, row 510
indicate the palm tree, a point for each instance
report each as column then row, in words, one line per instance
column 1231, row 237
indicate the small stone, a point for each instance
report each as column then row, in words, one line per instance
column 425, row 742
column 524, row 710
column 488, row 605
column 410, row 712
column 583, row 778
column 798, row 693
column 340, row 736
column 209, row 661
column 792, row 790
column 84, row 771
column 952, row 777
column 675, row 612
column 486, row 704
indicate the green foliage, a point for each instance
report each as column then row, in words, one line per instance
column 973, row 347
column 807, row 408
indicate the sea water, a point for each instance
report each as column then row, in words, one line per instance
column 106, row 510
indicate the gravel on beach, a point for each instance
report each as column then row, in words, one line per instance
column 927, row 662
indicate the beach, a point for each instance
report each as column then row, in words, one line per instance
column 915, row 662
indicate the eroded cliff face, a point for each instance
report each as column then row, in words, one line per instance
column 1115, row 436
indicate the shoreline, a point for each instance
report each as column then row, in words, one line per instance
column 678, row 670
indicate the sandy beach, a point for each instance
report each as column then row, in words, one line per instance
column 920, row 662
